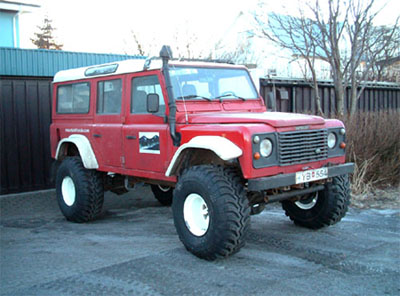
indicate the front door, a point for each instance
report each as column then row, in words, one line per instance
column 146, row 136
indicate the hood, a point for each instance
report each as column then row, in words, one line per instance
column 275, row 119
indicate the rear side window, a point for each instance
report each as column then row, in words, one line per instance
column 73, row 98
column 109, row 95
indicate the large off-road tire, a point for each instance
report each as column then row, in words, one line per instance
column 211, row 211
column 80, row 192
column 323, row 208
column 163, row 194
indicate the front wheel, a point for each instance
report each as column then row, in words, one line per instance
column 79, row 191
column 211, row 211
column 322, row 208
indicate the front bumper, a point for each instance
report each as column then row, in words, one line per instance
column 272, row 182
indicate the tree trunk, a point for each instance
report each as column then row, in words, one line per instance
column 318, row 99
column 339, row 94
column 353, row 98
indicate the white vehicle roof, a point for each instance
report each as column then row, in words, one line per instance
column 126, row 66
column 123, row 67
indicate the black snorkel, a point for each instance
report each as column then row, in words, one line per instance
column 166, row 55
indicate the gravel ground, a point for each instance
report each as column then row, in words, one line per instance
column 133, row 249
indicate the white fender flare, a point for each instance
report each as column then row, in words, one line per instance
column 85, row 150
column 222, row 147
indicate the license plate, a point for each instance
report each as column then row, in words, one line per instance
column 311, row 175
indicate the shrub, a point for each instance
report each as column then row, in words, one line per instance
column 373, row 144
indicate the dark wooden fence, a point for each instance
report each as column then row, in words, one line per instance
column 25, row 109
column 294, row 95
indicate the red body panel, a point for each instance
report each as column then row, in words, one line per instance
column 275, row 119
column 117, row 149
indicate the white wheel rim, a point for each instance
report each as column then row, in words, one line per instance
column 195, row 214
column 309, row 204
column 68, row 191
column 164, row 188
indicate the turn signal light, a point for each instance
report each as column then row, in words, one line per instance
column 342, row 145
column 256, row 155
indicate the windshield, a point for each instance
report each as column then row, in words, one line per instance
column 211, row 84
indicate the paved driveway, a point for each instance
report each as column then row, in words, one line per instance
column 134, row 250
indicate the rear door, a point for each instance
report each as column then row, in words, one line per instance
column 146, row 135
column 108, row 120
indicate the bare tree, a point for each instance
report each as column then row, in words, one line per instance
column 184, row 45
column 390, row 53
column 341, row 32
column 367, row 44
column 139, row 45
column 242, row 52
column 296, row 34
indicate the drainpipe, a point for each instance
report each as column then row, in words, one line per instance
column 166, row 55
column 16, row 30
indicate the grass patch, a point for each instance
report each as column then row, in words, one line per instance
column 373, row 144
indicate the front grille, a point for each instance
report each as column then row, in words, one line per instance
column 302, row 146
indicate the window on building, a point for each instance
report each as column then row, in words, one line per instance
column 109, row 96
column 73, row 98
column 141, row 87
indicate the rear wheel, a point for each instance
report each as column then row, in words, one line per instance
column 163, row 194
column 211, row 211
column 322, row 208
column 80, row 192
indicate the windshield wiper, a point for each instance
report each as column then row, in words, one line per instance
column 230, row 95
column 194, row 97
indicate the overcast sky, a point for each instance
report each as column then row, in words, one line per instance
column 105, row 26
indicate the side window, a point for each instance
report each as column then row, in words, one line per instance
column 109, row 95
column 73, row 98
column 141, row 87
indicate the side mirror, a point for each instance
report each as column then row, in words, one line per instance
column 153, row 103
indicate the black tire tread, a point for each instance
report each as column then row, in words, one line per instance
column 90, row 202
column 242, row 209
column 164, row 198
column 230, row 235
column 337, row 203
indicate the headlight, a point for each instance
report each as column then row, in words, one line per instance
column 265, row 147
column 332, row 140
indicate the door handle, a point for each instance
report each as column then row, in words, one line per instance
column 131, row 137
column 97, row 135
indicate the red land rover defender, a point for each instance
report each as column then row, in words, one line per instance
column 200, row 134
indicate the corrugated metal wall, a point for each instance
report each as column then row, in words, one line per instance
column 292, row 95
column 45, row 63
column 25, row 112
column 25, row 109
